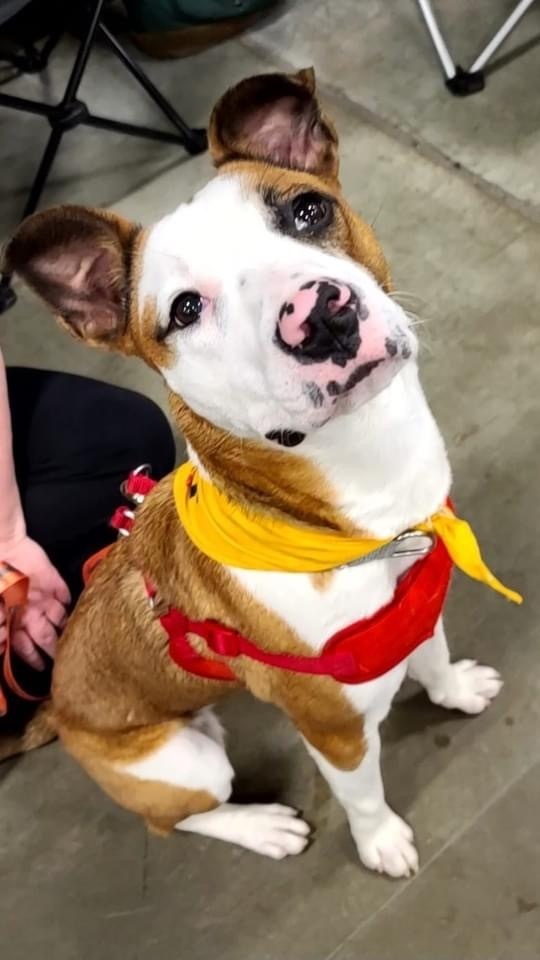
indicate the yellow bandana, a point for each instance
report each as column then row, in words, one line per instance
column 223, row 530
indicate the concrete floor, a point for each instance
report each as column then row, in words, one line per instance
column 454, row 189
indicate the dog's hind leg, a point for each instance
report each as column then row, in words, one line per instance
column 464, row 685
column 177, row 776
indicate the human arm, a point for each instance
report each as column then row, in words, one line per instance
column 48, row 594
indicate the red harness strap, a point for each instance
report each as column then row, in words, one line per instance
column 360, row 652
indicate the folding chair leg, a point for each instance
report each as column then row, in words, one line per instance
column 193, row 140
column 509, row 24
column 460, row 82
column 437, row 38
column 85, row 48
column 70, row 112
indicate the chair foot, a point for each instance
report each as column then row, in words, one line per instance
column 466, row 82
column 196, row 141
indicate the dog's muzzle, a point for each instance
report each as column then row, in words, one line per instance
column 321, row 322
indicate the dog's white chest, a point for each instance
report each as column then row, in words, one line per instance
column 316, row 610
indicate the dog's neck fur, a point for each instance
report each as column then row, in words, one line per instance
column 380, row 468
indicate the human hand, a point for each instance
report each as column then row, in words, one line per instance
column 45, row 612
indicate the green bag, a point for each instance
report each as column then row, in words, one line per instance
column 155, row 16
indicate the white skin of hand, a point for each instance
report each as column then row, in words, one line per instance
column 45, row 613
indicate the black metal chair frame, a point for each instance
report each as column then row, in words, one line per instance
column 71, row 112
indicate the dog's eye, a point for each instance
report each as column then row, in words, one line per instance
column 310, row 210
column 186, row 309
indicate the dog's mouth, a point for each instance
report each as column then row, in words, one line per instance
column 339, row 392
column 364, row 370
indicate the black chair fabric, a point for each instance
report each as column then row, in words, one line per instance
column 8, row 8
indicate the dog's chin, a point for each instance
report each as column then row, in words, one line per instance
column 366, row 382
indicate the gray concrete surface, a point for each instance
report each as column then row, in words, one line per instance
column 453, row 187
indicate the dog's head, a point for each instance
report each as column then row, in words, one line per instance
column 263, row 301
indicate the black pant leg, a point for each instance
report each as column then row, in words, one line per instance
column 75, row 441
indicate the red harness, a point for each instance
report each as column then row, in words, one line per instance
column 360, row 652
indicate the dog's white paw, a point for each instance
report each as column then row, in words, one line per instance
column 389, row 848
column 271, row 829
column 467, row 686
column 268, row 828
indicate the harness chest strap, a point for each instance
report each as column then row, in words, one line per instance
column 362, row 651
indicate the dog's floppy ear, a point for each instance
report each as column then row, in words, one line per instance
column 77, row 259
column 275, row 118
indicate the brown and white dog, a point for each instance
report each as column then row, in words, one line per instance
column 265, row 304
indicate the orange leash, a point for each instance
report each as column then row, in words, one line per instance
column 14, row 595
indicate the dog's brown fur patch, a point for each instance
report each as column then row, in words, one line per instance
column 155, row 350
column 322, row 581
column 348, row 233
column 162, row 805
column 257, row 474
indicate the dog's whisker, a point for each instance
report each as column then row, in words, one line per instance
column 417, row 321
column 377, row 215
column 406, row 296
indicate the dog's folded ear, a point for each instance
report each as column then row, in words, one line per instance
column 77, row 259
column 275, row 118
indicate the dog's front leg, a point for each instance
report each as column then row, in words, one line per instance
column 384, row 841
column 464, row 685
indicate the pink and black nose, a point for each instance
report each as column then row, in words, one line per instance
column 321, row 322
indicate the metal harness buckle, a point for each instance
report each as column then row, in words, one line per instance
column 136, row 498
column 128, row 515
